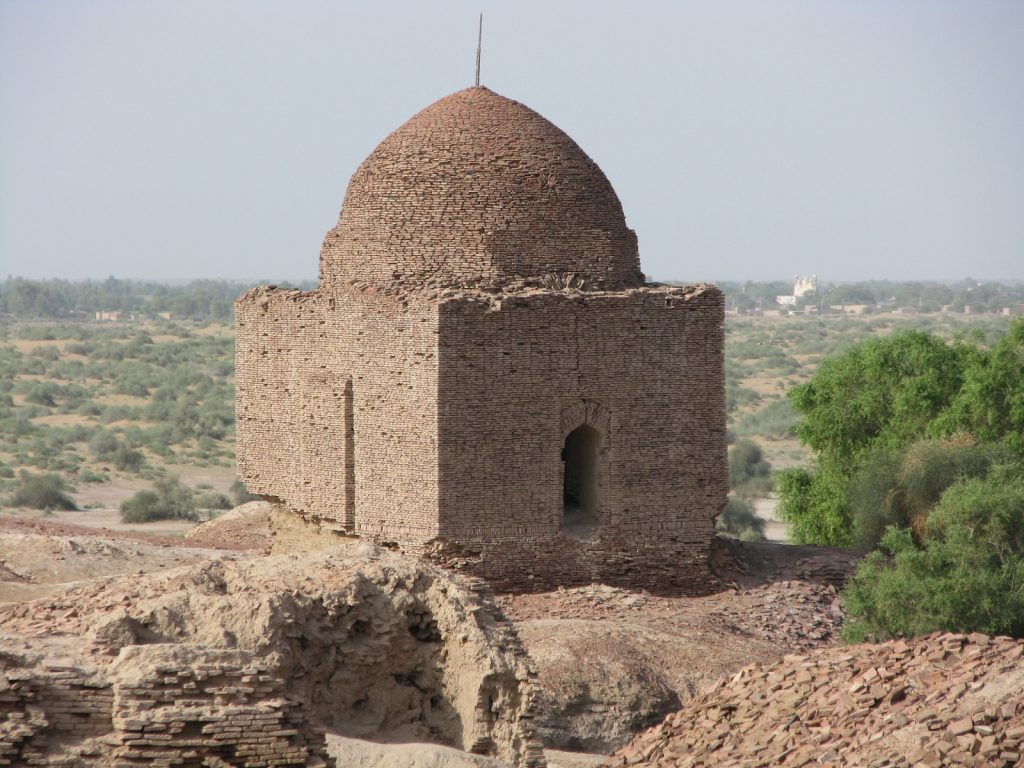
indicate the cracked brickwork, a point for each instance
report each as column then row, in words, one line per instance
column 479, row 299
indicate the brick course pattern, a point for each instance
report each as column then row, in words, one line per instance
column 479, row 300
column 156, row 705
column 478, row 189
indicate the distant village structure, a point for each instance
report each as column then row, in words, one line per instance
column 802, row 286
column 483, row 376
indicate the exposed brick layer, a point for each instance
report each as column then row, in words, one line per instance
column 156, row 705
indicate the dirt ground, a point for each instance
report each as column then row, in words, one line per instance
column 609, row 662
column 775, row 529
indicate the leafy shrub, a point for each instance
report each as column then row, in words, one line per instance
column 170, row 499
column 777, row 419
column 104, row 444
column 128, row 459
column 749, row 471
column 991, row 403
column 814, row 503
column 738, row 519
column 213, row 500
column 737, row 396
column 967, row 575
column 902, row 488
column 44, row 491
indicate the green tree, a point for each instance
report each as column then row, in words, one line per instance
column 968, row 575
column 990, row 404
column 880, row 395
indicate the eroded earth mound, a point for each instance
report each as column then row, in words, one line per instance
column 612, row 662
column 246, row 526
column 943, row 700
column 236, row 658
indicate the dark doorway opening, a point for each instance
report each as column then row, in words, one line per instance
column 580, row 488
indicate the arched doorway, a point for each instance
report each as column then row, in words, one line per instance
column 580, row 487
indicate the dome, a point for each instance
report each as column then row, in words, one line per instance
column 478, row 189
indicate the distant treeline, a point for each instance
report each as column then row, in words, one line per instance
column 198, row 299
column 214, row 299
column 980, row 296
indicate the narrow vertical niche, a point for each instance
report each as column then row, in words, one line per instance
column 581, row 486
column 348, row 416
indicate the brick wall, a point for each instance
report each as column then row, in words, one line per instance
column 645, row 367
column 336, row 407
column 157, row 704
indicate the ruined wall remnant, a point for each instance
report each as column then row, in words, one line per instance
column 251, row 660
column 153, row 705
column 481, row 299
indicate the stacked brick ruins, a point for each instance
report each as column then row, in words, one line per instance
column 156, row 705
column 480, row 302
column 244, row 662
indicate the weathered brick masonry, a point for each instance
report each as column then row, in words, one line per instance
column 483, row 376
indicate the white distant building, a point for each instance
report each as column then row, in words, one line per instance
column 802, row 286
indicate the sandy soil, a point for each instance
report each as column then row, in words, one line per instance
column 775, row 529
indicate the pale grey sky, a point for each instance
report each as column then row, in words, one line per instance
column 747, row 140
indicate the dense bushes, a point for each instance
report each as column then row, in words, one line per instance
column 919, row 448
column 749, row 471
column 240, row 493
column 967, row 575
column 170, row 499
column 738, row 519
column 877, row 398
column 777, row 420
column 749, row 477
column 902, row 488
column 44, row 491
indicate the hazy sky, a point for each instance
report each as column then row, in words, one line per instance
column 747, row 140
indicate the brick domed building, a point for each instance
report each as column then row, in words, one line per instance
column 482, row 375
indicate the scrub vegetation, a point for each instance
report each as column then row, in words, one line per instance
column 918, row 452
column 128, row 403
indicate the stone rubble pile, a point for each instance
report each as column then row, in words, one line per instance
column 941, row 700
column 794, row 614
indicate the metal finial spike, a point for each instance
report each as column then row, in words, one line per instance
column 479, row 40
